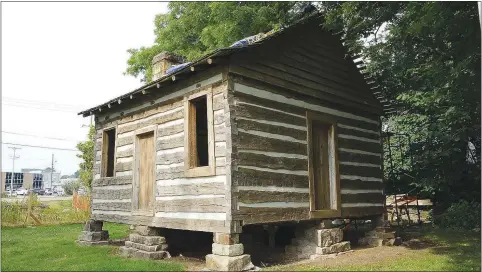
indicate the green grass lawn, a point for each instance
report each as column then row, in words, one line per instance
column 54, row 248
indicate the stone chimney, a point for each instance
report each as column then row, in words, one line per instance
column 163, row 61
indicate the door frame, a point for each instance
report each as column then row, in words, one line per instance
column 329, row 120
column 135, row 174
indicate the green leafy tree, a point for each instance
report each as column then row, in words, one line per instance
column 87, row 155
column 426, row 57
column 192, row 29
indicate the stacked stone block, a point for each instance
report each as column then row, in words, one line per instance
column 228, row 254
column 145, row 243
column 380, row 236
column 93, row 234
column 317, row 241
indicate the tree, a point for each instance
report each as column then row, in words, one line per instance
column 192, row 29
column 426, row 57
column 87, row 155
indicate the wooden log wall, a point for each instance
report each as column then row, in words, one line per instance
column 197, row 203
column 270, row 170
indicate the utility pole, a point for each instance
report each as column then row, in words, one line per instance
column 52, row 172
column 14, row 157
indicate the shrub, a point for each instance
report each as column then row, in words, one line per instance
column 71, row 186
column 460, row 215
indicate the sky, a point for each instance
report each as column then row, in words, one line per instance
column 58, row 59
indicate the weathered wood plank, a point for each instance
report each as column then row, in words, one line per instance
column 125, row 153
column 123, row 166
column 360, row 185
column 106, row 181
column 363, row 171
column 215, row 188
column 363, row 198
column 173, row 223
column 361, row 211
column 359, row 145
column 358, row 133
column 149, row 112
column 354, row 157
column 260, row 160
column 249, row 177
column 273, row 129
column 250, row 196
column 171, row 173
column 157, row 120
column 169, row 130
column 170, row 158
column 268, row 215
column 170, row 143
column 125, row 141
column 255, row 142
column 111, row 193
column 253, row 112
column 203, row 205
column 112, row 206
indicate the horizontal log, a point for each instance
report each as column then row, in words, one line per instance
column 174, row 142
column 173, row 174
column 354, row 157
column 149, row 112
column 125, row 153
column 206, row 205
column 260, row 160
column 251, row 196
column 273, row 129
column 360, row 185
column 170, row 158
column 218, row 118
column 112, row 206
column 358, row 133
column 125, row 141
column 220, row 150
column 249, row 177
column 220, row 134
column 215, row 188
column 166, row 131
column 111, row 193
column 363, row 198
column 269, row 215
column 361, row 211
column 172, row 223
column 363, row 171
column 219, row 87
column 157, row 120
column 260, row 143
column 253, row 112
column 124, row 166
column 106, row 181
column 359, row 145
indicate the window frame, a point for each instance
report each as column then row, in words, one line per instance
column 210, row 169
column 333, row 137
column 104, row 151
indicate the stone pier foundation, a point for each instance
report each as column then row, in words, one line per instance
column 145, row 243
column 228, row 254
column 93, row 234
column 381, row 235
column 318, row 240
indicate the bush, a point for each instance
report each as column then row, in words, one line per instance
column 460, row 215
column 71, row 186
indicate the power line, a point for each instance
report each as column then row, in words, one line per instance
column 38, row 146
column 52, row 138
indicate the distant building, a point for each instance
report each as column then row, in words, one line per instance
column 50, row 179
column 21, row 180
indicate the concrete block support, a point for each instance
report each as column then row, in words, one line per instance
column 145, row 243
column 93, row 234
column 228, row 254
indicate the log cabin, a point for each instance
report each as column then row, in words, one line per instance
column 285, row 129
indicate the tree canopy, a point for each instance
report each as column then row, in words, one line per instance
column 425, row 57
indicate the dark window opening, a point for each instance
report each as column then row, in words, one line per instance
column 199, row 110
column 109, row 151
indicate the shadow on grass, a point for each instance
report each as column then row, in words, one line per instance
column 461, row 248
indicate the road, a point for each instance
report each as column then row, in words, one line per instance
column 41, row 198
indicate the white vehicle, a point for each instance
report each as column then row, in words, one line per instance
column 22, row 191
column 59, row 191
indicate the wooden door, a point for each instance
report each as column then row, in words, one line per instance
column 321, row 175
column 146, row 153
